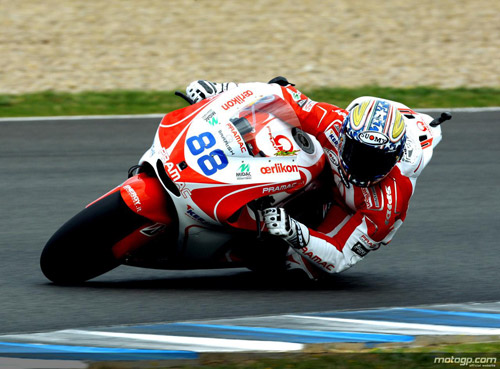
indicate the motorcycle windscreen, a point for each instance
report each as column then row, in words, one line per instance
column 266, row 127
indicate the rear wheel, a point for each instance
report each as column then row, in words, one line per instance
column 82, row 248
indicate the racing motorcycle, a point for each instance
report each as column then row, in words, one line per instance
column 194, row 199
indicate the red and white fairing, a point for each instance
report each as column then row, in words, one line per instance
column 226, row 151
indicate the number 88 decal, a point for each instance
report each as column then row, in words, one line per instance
column 215, row 160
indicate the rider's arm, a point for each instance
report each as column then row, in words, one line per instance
column 335, row 249
column 344, row 238
column 315, row 117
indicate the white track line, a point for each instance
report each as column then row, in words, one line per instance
column 380, row 326
column 155, row 341
column 81, row 117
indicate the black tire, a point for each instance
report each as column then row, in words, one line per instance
column 82, row 248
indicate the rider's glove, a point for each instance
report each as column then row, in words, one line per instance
column 279, row 223
column 199, row 90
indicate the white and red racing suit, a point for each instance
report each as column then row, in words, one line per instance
column 361, row 220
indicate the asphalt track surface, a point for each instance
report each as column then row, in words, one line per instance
column 446, row 252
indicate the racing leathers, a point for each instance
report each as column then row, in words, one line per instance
column 361, row 219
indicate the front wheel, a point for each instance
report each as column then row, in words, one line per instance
column 82, row 248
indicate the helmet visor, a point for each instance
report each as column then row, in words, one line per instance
column 365, row 164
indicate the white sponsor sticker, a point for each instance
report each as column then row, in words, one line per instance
column 373, row 138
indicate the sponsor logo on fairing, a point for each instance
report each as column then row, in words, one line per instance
column 170, row 167
column 135, row 198
column 286, row 153
column 244, row 172
column 211, row 118
column 190, row 212
column 279, row 188
column 226, row 142
column 278, row 141
column 279, row 168
column 238, row 100
column 185, row 192
column 237, row 136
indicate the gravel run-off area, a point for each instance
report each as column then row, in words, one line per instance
column 82, row 45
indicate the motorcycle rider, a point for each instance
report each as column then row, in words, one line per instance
column 374, row 161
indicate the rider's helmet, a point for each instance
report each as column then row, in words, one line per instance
column 372, row 140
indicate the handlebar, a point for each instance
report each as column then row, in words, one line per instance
column 178, row 93
column 443, row 118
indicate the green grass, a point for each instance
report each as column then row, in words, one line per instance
column 145, row 102
column 337, row 361
column 88, row 103
column 407, row 358
column 417, row 97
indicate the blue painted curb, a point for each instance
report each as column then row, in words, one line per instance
column 270, row 334
column 63, row 352
column 421, row 316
